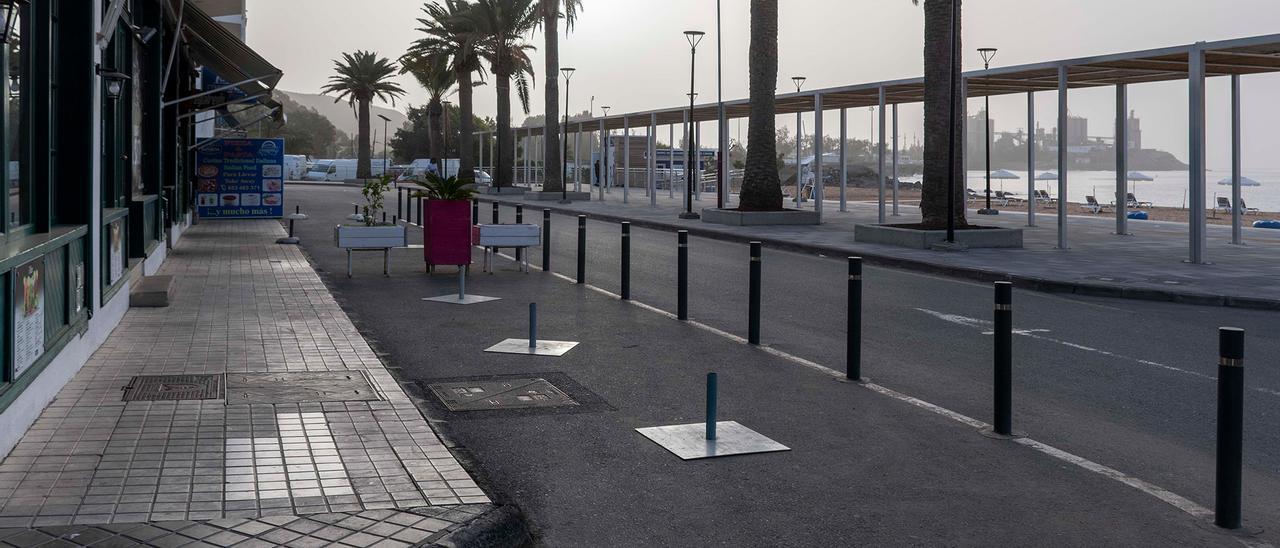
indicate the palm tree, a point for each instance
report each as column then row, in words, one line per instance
column 502, row 24
column 360, row 78
column 451, row 36
column 941, row 116
column 761, row 189
column 554, row 176
column 435, row 76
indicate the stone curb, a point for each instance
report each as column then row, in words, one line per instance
column 502, row 527
column 1033, row 283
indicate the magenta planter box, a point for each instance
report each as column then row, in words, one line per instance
column 446, row 232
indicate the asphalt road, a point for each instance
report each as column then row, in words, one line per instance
column 1124, row 383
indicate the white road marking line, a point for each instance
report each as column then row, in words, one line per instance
column 1160, row 493
column 1030, row 333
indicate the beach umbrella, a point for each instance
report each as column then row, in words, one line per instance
column 1047, row 176
column 1137, row 176
column 1003, row 175
column 1244, row 181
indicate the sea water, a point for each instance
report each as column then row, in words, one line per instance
column 1169, row 189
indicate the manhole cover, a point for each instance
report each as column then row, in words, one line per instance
column 173, row 387
column 500, row 394
column 299, row 387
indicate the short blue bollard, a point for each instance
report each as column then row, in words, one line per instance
column 711, row 406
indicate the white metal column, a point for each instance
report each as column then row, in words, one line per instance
column 844, row 159
column 1062, row 157
column 1122, row 159
column 687, row 136
column 818, row 192
column 880, row 158
column 671, row 160
column 726, row 176
column 1195, row 150
column 697, row 160
column 528, row 142
column 1237, row 208
column 799, row 139
column 652, row 167
column 600, row 155
column 1031, row 159
column 577, row 160
column 626, row 157
column 895, row 159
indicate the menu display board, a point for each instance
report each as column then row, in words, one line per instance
column 240, row 179
column 28, row 315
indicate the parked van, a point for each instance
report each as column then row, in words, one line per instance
column 418, row 167
column 341, row 170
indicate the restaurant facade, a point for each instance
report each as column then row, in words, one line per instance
column 102, row 103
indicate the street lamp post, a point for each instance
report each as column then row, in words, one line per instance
column 385, row 140
column 604, row 147
column 564, row 156
column 693, row 36
column 798, row 81
column 987, row 55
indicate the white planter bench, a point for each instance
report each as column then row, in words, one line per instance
column 517, row 236
column 370, row 238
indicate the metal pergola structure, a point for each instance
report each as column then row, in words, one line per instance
column 1193, row 63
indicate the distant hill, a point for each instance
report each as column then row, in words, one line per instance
column 340, row 113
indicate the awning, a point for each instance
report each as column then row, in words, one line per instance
column 217, row 49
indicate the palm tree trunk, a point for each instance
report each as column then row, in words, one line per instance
column 504, row 165
column 938, row 118
column 363, row 165
column 466, row 163
column 554, row 176
column 761, row 189
column 436, row 133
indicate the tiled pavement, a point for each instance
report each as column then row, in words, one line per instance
column 241, row 304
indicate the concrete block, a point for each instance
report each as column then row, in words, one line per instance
column 151, row 292
column 556, row 196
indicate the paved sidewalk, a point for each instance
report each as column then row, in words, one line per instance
column 241, row 304
column 1149, row 264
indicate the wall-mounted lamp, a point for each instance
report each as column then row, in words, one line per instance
column 115, row 82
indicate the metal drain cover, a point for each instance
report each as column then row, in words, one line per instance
column 500, row 394
column 173, row 387
column 300, row 387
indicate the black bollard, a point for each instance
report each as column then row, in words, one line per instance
column 853, row 333
column 296, row 209
column 1230, row 427
column 395, row 220
column 384, row 217
column 626, row 260
column 400, row 202
column 495, row 213
column 475, row 212
column 422, row 206
column 753, row 307
column 682, row 274
column 582, row 249
column 533, row 325
column 519, row 220
column 712, row 390
column 1004, row 359
column 546, row 240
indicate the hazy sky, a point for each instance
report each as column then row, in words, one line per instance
column 631, row 55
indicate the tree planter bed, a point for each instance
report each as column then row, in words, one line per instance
column 913, row 237
column 737, row 217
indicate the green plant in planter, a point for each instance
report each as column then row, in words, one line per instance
column 373, row 191
column 435, row 187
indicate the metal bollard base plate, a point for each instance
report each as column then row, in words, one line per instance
column 990, row 432
column 859, row 380
column 1245, row 531
column 689, row 441
column 466, row 299
column 543, row 348
column 293, row 241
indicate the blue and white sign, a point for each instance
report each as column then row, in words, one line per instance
column 240, row 179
